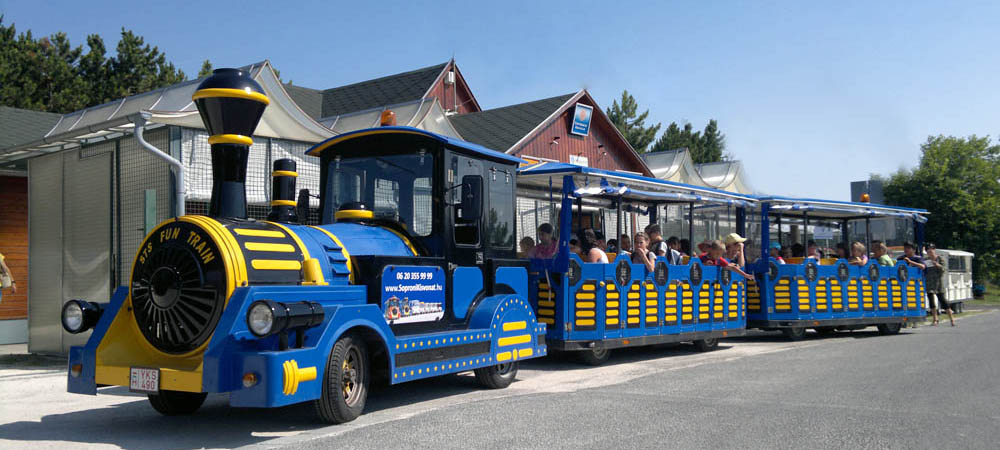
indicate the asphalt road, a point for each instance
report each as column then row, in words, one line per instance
column 931, row 387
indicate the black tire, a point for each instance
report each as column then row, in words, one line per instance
column 706, row 345
column 345, row 381
column 794, row 333
column 498, row 376
column 177, row 403
column 595, row 356
column 825, row 331
column 886, row 329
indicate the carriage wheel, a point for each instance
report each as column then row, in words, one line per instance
column 177, row 403
column 595, row 356
column 345, row 383
column 886, row 329
column 794, row 333
column 706, row 345
column 498, row 376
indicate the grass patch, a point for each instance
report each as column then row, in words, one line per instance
column 992, row 297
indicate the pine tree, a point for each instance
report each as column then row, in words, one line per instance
column 631, row 124
column 705, row 147
column 206, row 69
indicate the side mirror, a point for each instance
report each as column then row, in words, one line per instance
column 472, row 197
column 302, row 206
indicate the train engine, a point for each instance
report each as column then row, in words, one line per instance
column 411, row 274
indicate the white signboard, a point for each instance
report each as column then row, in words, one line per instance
column 579, row 160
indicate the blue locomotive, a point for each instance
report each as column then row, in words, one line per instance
column 412, row 275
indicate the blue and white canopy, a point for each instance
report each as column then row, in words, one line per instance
column 590, row 182
column 788, row 206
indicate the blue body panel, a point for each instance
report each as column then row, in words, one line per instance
column 468, row 282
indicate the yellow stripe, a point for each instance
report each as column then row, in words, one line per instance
column 354, row 214
column 238, row 139
column 633, row 320
column 611, row 322
column 546, row 312
column 343, row 250
column 547, row 320
column 514, row 340
column 501, row 357
column 585, row 304
column 275, row 264
column 319, row 149
column 546, row 304
column 514, row 326
column 585, row 296
column 245, row 94
column 525, row 352
column 585, row 314
column 284, row 173
column 282, row 202
column 268, row 247
column 258, row 233
column 405, row 239
column 584, row 322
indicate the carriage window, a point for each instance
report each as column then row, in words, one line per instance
column 386, row 204
column 386, row 184
column 500, row 221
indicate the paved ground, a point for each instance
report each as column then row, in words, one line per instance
column 929, row 387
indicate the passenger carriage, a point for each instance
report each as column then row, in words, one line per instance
column 592, row 308
column 829, row 294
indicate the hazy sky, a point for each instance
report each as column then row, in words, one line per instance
column 810, row 96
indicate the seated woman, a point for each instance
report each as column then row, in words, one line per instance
column 546, row 246
column 640, row 253
column 858, row 256
column 714, row 258
column 591, row 249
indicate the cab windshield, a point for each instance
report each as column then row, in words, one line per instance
column 395, row 187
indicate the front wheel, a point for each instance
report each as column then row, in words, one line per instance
column 886, row 329
column 177, row 403
column 498, row 376
column 345, row 383
column 595, row 356
column 794, row 333
column 706, row 345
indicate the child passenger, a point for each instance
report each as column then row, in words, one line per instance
column 640, row 254
column 858, row 256
column 590, row 248
column 881, row 253
column 713, row 257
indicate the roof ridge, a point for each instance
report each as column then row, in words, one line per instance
column 518, row 105
column 372, row 80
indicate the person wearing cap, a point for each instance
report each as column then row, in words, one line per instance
column 546, row 245
column 776, row 252
column 713, row 257
column 734, row 249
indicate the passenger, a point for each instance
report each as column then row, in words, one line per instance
column 547, row 245
column 734, row 249
column 656, row 244
column 786, row 252
column 842, row 250
column 527, row 247
column 642, row 255
column 714, row 258
column 600, row 242
column 858, row 256
column 910, row 256
column 626, row 243
column 812, row 250
column 674, row 256
column 613, row 247
column 590, row 248
column 881, row 254
column 934, row 273
column 798, row 251
column 574, row 246
column 685, row 247
column 776, row 252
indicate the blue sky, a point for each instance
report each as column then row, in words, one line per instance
column 810, row 96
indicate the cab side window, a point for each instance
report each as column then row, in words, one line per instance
column 466, row 230
column 500, row 217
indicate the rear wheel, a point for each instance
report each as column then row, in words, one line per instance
column 345, row 383
column 794, row 333
column 595, row 356
column 888, row 328
column 177, row 403
column 825, row 331
column 498, row 376
column 707, row 344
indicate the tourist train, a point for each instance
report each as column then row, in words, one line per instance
column 413, row 272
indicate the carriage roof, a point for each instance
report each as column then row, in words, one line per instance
column 790, row 206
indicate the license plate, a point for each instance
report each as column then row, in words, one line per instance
column 143, row 379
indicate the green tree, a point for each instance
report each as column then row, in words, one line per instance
column 958, row 182
column 206, row 69
column 705, row 146
column 631, row 124
column 49, row 74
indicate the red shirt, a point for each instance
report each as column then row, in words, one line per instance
column 708, row 261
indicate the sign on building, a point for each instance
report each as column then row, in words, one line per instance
column 578, row 160
column 581, row 119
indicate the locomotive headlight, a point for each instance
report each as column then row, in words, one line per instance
column 79, row 316
column 260, row 319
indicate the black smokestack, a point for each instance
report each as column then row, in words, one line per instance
column 231, row 104
column 283, row 192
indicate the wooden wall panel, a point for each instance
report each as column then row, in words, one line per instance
column 446, row 94
column 14, row 243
